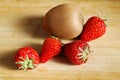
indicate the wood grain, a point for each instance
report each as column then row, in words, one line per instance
column 20, row 25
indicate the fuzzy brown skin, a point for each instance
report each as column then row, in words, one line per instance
column 64, row 21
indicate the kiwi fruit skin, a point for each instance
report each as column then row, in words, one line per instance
column 64, row 21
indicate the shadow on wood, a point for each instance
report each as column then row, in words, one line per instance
column 37, row 47
column 33, row 26
column 62, row 60
column 7, row 60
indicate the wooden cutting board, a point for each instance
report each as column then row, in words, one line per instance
column 20, row 25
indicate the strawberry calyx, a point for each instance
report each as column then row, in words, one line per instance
column 25, row 63
column 83, row 54
column 104, row 19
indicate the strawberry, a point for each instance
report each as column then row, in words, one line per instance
column 77, row 52
column 26, row 58
column 94, row 28
column 51, row 47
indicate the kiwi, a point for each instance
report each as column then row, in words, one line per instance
column 64, row 21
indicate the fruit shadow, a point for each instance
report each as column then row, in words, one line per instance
column 7, row 61
column 37, row 47
column 61, row 59
column 33, row 26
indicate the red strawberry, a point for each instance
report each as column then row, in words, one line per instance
column 26, row 58
column 51, row 47
column 77, row 52
column 94, row 28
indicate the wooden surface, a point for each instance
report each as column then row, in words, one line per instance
column 20, row 25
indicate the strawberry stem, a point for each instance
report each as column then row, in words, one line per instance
column 55, row 37
column 104, row 19
column 84, row 54
column 25, row 63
